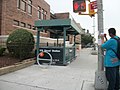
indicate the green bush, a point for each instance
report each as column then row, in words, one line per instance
column 20, row 43
column 2, row 50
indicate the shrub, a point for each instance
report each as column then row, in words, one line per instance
column 2, row 50
column 20, row 43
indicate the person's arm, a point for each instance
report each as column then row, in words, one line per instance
column 107, row 44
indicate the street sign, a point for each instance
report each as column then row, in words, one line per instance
column 93, row 4
column 91, row 11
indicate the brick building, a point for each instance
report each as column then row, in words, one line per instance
column 22, row 14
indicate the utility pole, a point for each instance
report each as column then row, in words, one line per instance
column 94, row 26
column 94, row 32
column 100, row 79
column 100, row 30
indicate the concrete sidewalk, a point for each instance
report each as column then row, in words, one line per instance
column 78, row 75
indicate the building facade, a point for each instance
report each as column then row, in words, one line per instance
column 22, row 14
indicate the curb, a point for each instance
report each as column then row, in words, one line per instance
column 17, row 66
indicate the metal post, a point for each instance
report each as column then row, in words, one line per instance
column 100, row 30
column 74, row 47
column 38, row 40
column 64, row 46
column 57, row 40
column 94, row 26
column 100, row 79
column 94, row 32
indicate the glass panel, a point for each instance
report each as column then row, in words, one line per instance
column 29, row 26
column 18, row 4
column 42, row 14
column 45, row 14
column 23, row 24
column 23, row 5
column 15, row 22
column 39, row 8
column 39, row 15
column 29, row 2
column 39, row 12
column 29, row 9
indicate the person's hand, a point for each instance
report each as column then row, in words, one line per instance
column 105, row 35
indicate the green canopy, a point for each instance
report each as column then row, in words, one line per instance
column 57, row 25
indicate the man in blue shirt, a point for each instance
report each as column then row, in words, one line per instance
column 111, row 61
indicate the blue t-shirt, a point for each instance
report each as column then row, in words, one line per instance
column 110, row 56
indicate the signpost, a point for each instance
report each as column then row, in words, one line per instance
column 100, row 79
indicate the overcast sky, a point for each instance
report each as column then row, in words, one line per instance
column 111, row 14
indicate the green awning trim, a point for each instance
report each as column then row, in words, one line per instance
column 59, row 23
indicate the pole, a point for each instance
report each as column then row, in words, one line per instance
column 100, row 79
column 64, row 47
column 94, row 32
column 94, row 26
column 100, row 30
column 37, row 42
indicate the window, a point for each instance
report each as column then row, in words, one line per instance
column 29, row 26
column 23, row 5
column 15, row 22
column 29, row 6
column 30, row 2
column 39, row 12
column 34, row 28
column 45, row 14
column 42, row 14
column 18, row 4
column 23, row 24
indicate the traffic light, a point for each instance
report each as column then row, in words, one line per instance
column 79, row 6
column 91, row 10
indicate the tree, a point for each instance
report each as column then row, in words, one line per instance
column 86, row 39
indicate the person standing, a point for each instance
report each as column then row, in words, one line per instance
column 111, row 62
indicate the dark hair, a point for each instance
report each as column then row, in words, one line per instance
column 112, row 31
